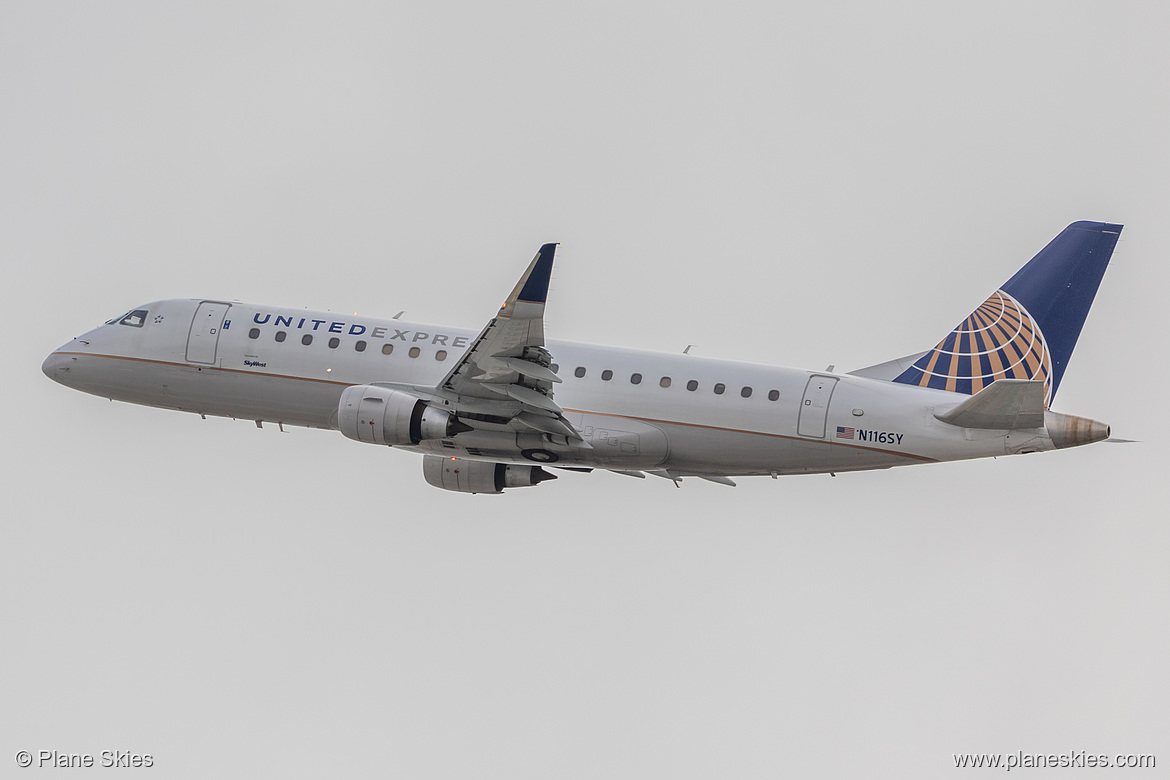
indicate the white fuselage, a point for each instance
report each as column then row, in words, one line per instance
column 635, row 409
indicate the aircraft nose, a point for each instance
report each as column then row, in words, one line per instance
column 57, row 367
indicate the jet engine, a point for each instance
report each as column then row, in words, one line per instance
column 477, row 476
column 379, row 415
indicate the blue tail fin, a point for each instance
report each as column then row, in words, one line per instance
column 1027, row 329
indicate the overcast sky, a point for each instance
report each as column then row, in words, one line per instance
column 833, row 183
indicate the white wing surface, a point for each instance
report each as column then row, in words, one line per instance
column 505, row 377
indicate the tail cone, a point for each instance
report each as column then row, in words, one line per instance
column 1067, row 430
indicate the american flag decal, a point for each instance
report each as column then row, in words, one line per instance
column 844, row 433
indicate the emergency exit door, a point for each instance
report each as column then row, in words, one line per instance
column 205, row 327
column 814, row 407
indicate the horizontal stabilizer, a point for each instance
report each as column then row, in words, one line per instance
column 1003, row 405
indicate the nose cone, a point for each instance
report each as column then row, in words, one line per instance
column 57, row 367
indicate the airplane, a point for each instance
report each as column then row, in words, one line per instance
column 496, row 409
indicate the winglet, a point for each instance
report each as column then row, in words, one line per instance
column 533, row 285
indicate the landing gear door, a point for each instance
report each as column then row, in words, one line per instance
column 205, row 327
column 814, row 407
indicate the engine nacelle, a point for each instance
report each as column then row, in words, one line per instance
column 477, row 476
column 379, row 415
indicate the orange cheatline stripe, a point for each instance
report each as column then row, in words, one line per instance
column 206, row 368
column 830, row 442
column 579, row 411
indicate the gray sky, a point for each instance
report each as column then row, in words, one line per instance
column 800, row 186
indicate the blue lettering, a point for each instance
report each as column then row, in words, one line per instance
column 336, row 327
column 227, row 324
column 286, row 321
column 256, row 318
column 301, row 324
column 318, row 323
column 357, row 330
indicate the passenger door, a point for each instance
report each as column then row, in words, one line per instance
column 203, row 340
column 814, row 406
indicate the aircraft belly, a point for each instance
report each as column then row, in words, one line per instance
column 208, row 390
column 730, row 453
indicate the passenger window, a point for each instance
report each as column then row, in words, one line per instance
column 414, row 352
column 359, row 346
column 664, row 382
column 773, row 395
column 307, row 339
column 746, row 392
column 441, row 354
column 387, row 349
column 606, row 375
column 254, row 333
column 719, row 388
column 281, row 335
column 692, row 385
column 635, row 379
column 579, row 372
column 333, row 342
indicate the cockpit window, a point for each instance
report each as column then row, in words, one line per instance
column 135, row 319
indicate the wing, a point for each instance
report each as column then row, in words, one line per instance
column 505, row 377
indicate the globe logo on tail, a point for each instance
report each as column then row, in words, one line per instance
column 1000, row 340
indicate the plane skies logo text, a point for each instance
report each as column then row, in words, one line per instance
column 861, row 434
